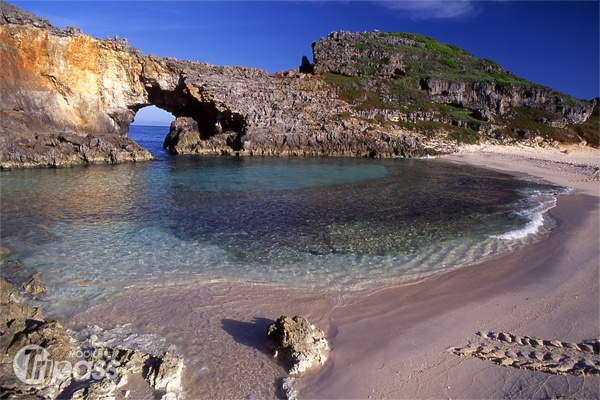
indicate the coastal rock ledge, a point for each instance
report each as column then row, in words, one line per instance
column 68, row 98
column 88, row 364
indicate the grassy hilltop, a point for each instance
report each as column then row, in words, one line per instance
column 451, row 91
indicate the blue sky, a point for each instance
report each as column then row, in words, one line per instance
column 554, row 43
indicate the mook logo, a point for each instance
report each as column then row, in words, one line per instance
column 33, row 366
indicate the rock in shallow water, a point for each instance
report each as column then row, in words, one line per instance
column 104, row 367
column 298, row 343
column 34, row 286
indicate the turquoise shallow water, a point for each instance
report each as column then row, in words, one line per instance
column 331, row 222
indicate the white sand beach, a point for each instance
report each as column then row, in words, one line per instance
column 399, row 342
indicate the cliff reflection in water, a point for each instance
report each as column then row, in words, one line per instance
column 34, row 202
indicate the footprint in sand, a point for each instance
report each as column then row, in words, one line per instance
column 525, row 352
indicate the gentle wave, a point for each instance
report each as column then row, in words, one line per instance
column 536, row 217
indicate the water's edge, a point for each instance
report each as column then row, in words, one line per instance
column 345, row 224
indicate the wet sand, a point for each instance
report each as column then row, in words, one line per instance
column 398, row 342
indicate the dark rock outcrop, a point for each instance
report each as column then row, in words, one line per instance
column 306, row 67
column 68, row 98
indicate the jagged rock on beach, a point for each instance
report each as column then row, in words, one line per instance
column 23, row 325
column 298, row 343
column 165, row 373
column 104, row 389
column 288, row 387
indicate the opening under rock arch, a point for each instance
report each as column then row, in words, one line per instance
column 201, row 125
column 149, row 129
column 153, row 116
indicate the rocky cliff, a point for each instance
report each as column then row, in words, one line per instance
column 63, row 95
column 409, row 66
column 410, row 79
column 68, row 98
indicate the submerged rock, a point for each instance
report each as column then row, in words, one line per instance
column 298, row 343
column 34, row 286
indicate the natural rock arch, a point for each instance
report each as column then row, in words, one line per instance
column 68, row 98
column 152, row 115
column 203, row 123
column 181, row 103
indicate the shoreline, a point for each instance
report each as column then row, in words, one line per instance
column 407, row 332
column 394, row 342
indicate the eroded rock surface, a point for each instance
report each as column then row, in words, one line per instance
column 445, row 73
column 68, row 98
column 104, row 363
column 298, row 343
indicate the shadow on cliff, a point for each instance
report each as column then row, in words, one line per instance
column 252, row 334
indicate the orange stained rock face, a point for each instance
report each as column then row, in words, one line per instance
column 22, row 54
column 33, row 59
column 82, row 53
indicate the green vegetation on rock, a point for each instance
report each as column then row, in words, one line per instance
column 590, row 129
column 441, row 89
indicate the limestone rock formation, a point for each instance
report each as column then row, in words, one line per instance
column 24, row 327
column 165, row 373
column 298, row 343
column 62, row 92
column 60, row 150
column 445, row 73
column 183, row 136
column 398, row 72
column 68, row 98
column 34, row 286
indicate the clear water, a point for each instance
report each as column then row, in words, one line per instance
column 335, row 222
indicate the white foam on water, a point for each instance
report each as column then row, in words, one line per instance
column 536, row 217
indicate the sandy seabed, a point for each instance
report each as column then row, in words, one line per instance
column 401, row 341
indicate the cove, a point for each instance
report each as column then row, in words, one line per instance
column 340, row 223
